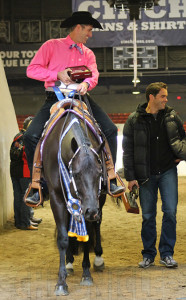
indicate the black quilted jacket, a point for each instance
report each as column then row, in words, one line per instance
column 136, row 142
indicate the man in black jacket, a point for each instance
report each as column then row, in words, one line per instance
column 153, row 144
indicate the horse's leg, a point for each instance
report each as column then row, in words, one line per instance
column 86, row 276
column 98, row 261
column 61, row 219
column 69, row 256
column 62, row 242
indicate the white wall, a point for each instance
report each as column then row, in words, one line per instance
column 8, row 129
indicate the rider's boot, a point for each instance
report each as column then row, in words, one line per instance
column 37, row 183
column 35, row 198
column 113, row 189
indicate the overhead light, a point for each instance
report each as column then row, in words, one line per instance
column 136, row 80
column 133, row 6
column 135, row 91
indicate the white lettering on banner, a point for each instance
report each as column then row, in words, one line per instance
column 163, row 25
column 20, row 58
column 28, row 53
column 112, row 26
column 15, row 63
column 10, row 63
column 24, row 62
column 109, row 14
column 9, row 54
column 122, row 15
column 130, row 42
column 177, row 9
column 131, row 26
column 157, row 15
column 84, row 6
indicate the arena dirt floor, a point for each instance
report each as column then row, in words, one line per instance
column 29, row 260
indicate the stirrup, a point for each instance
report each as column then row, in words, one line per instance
column 122, row 184
column 40, row 195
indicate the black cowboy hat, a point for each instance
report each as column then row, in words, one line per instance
column 80, row 17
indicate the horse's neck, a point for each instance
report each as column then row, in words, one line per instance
column 75, row 138
column 80, row 133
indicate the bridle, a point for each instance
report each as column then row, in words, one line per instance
column 73, row 205
column 71, row 171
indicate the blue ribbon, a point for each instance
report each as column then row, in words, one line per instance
column 58, row 93
column 77, row 223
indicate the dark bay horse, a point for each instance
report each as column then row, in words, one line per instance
column 80, row 151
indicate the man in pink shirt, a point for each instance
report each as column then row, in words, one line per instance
column 52, row 63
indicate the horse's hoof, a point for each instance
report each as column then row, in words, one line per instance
column 99, row 264
column 70, row 269
column 86, row 281
column 61, row 290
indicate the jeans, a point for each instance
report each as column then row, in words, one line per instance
column 34, row 131
column 167, row 183
column 107, row 126
column 22, row 212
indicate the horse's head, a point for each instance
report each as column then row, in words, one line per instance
column 86, row 174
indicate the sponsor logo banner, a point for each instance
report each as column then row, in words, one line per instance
column 16, row 58
column 163, row 25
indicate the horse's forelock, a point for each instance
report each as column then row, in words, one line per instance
column 86, row 158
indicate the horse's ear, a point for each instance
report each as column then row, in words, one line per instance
column 100, row 148
column 74, row 145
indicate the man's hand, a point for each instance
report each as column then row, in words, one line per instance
column 131, row 184
column 82, row 88
column 64, row 77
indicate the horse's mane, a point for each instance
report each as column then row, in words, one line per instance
column 81, row 132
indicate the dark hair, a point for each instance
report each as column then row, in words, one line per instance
column 154, row 89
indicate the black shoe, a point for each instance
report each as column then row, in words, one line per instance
column 34, row 199
column 114, row 189
column 34, row 224
column 18, row 226
column 35, row 220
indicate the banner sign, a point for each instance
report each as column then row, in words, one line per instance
column 163, row 25
column 16, row 58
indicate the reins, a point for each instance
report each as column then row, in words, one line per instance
column 72, row 96
column 71, row 172
column 65, row 177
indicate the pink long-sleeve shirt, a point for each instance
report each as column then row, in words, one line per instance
column 55, row 56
